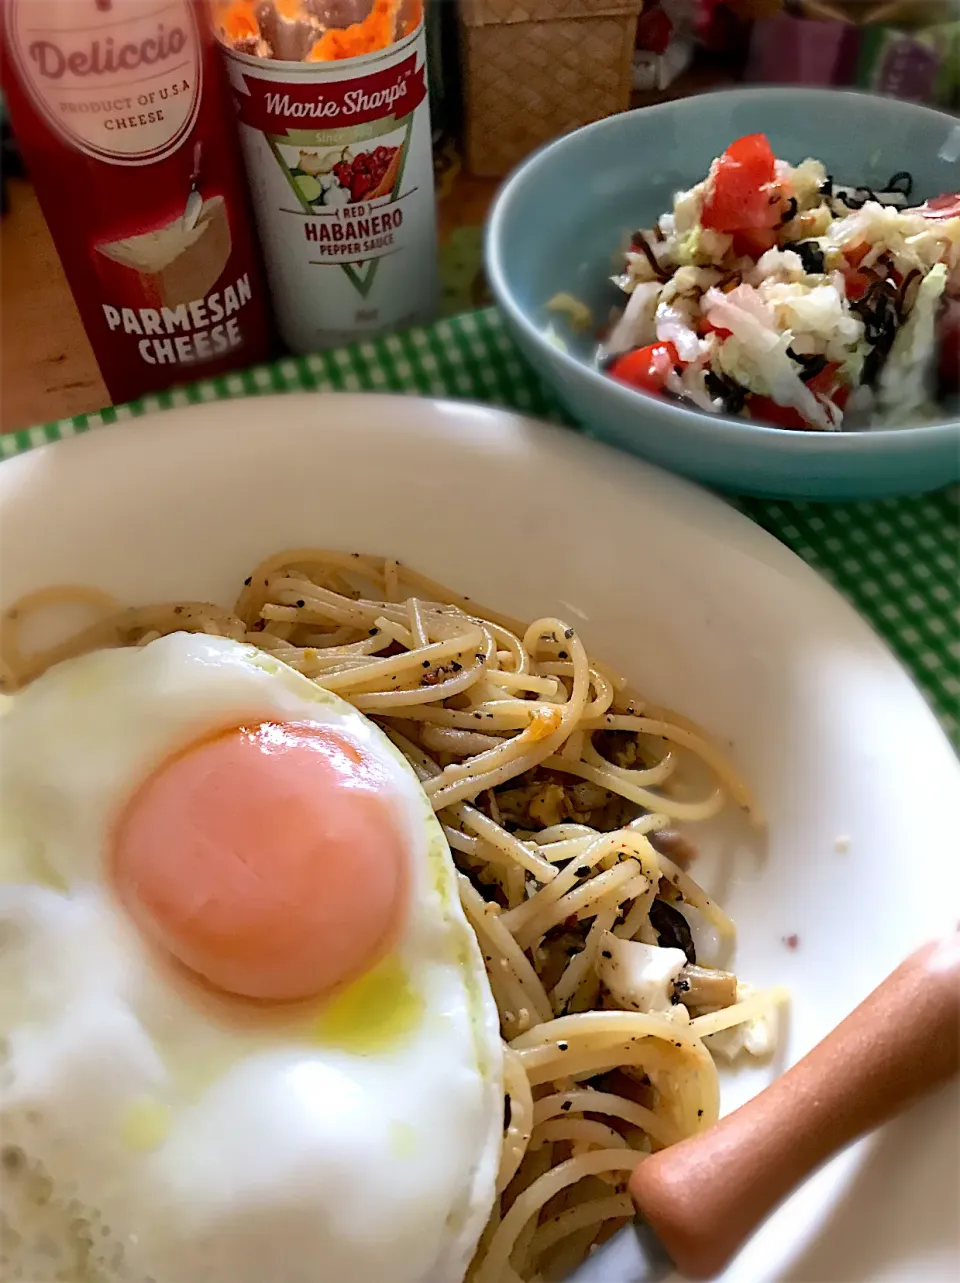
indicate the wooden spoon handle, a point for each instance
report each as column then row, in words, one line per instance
column 705, row 1196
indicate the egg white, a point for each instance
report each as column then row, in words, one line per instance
column 162, row 1143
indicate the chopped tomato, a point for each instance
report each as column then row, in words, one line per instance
column 646, row 368
column 770, row 411
column 948, row 333
column 855, row 254
column 754, row 242
column 705, row 326
column 945, row 206
column 825, row 385
column 857, row 284
column 743, row 185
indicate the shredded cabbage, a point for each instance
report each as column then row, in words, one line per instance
column 636, row 327
column 905, row 387
column 762, row 352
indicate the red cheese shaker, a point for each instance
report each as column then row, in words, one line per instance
column 121, row 113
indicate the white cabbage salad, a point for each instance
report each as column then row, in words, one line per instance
column 773, row 293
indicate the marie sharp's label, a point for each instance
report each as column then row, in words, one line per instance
column 121, row 82
column 277, row 108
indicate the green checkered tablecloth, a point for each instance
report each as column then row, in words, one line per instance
column 896, row 560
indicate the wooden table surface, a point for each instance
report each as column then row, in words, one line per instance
column 47, row 367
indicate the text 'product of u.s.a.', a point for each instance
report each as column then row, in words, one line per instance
column 124, row 118
column 331, row 96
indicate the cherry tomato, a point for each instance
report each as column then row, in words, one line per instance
column 754, row 242
column 948, row 334
column 945, row 206
column 742, row 188
column 646, row 368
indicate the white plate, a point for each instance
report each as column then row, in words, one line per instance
column 698, row 606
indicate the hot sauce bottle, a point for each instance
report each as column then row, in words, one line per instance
column 334, row 120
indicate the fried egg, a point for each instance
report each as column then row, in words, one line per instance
column 245, row 1030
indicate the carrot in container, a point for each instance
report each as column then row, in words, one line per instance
column 331, row 97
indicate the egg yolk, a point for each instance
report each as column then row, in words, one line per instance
column 267, row 860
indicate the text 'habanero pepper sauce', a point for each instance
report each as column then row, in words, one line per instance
column 124, row 119
column 331, row 96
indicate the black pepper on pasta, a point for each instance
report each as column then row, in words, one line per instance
column 552, row 813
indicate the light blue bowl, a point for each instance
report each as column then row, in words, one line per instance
column 561, row 217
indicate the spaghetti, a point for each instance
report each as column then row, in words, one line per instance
column 556, row 789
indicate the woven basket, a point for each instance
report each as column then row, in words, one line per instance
column 535, row 69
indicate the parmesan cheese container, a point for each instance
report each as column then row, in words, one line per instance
column 339, row 160
column 123, row 116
